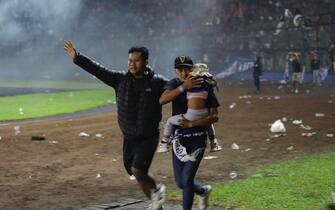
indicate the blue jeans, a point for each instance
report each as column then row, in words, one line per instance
column 184, row 173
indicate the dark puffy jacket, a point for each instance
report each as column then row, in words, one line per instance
column 138, row 107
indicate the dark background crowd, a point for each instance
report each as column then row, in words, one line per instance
column 211, row 31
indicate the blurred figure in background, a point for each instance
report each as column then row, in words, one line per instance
column 257, row 73
column 315, row 67
column 297, row 72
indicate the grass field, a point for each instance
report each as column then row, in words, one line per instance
column 53, row 84
column 40, row 105
column 292, row 185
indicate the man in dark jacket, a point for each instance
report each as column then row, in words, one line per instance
column 139, row 113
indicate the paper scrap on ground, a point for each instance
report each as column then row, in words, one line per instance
column 210, row 157
column 83, row 134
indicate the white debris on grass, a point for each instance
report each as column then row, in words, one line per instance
column 248, row 102
column 21, row 111
column 308, row 134
column 98, row 176
column 99, row 135
column 284, row 119
column 210, row 157
column 276, row 97
column 233, row 174
column 329, row 135
column 17, row 130
column 247, row 149
column 96, row 154
column 53, row 142
column 232, row 106
column 267, row 139
column 83, row 134
column 306, row 127
column 297, row 122
column 280, row 87
column 319, row 114
column 235, row 146
column 114, row 160
column 278, row 127
column 290, row 148
column 132, row 177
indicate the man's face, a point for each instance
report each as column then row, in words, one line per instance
column 136, row 64
column 183, row 72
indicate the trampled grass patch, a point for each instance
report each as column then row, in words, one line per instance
column 293, row 185
column 40, row 105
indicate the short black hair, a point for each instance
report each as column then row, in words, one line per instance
column 143, row 50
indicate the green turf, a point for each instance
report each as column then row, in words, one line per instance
column 302, row 185
column 40, row 105
column 53, row 84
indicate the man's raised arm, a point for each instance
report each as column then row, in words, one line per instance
column 107, row 76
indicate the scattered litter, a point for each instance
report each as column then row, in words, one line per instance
column 235, row 146
column 267, row 139
column 274, row 175
column 132, row 177
column 284, row 119
column 96, row 154
column 278, row 127
column 257, row 176
column 98, row 176
column 83, row 134
column 0, row 137
column 17, row 130
column 164, row 177
column 99, row 135
column 330, row 135
column 232, row 106
column 330, row 102
column 233, row 174
column 114, row 102
column 297, row 122
column 210, row 157
column 276, row 97
column 21, row 111
column 280, row 87
column 319, row 115
column 308, row 91
column 38, row 138
column 248, row 102
column 269, row 98
column 261, row 98
column 30, row 177
column 308, row 134
column 282, row 82
column 53, row 142
column 306, row 127
column 114, row 160
column 247, row 149
column 272, row 136
column 290, row 148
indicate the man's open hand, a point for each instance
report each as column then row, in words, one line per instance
column 69, row 48
column 192, row 82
